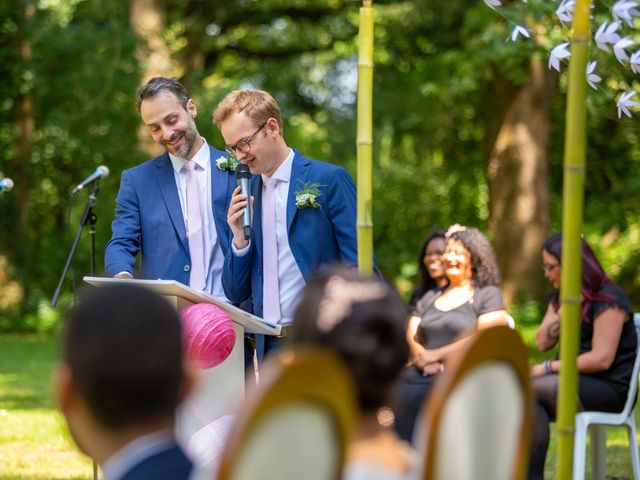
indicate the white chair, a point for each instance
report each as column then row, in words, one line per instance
column 297, row 423
column 596, row 424
column 476, row 421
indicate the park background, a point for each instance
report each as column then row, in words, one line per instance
column 467, row 126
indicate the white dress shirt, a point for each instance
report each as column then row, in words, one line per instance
column 213, row 256
column 291, row 281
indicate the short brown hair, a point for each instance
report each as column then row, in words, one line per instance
column 258, row 105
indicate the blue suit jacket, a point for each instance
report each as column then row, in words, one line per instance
column 149, row 220
column 317, row 236
column 171, row 464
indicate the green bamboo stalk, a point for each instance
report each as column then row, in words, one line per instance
column 364, row 140
column 572, row 208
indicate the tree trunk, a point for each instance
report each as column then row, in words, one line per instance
column 147, row 19
column 516, row 146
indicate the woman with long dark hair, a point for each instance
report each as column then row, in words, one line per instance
column 607, row 347
column 430, row 267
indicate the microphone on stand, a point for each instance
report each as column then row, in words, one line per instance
column 100, row 172
column 243, row 175
column 6, row 185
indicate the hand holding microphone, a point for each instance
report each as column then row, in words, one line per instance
column 243, row 176
column 100, row 172
column 6, row 185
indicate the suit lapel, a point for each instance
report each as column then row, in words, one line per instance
column 299, row 174
column 167, row 183
column 222, row 185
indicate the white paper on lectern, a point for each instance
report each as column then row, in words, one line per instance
column 251, row 323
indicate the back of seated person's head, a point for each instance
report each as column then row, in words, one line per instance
column 122, row 347
column 364, row 321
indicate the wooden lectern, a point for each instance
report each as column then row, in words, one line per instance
column 221, row 388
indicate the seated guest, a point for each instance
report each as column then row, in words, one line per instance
column 606, row 353
column 121, row 377
column 430, row 266
column 470, row 301
column 364, row 321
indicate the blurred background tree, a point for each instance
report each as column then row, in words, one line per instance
column 468, row 128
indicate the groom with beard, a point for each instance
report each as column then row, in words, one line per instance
column 172, row 209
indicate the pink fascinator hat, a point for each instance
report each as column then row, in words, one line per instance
column 208, row 334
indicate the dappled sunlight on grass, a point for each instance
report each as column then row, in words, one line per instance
column 36, row 444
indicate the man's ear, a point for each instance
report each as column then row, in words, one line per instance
column 273, row 126
column 64, row 387
column 191, row 108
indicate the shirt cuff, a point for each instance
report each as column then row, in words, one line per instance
column 242, row 252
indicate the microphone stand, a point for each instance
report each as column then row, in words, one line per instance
column 88, row 217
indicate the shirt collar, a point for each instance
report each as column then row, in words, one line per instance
column 201, row 158
column 136, row 451
column 283, row 173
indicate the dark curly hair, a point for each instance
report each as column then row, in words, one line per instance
column 364, row 321
column 485, row 269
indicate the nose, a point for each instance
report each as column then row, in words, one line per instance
column 167, row 133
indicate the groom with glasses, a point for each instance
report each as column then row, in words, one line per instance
column 304, row 210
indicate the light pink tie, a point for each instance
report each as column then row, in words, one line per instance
column 195, row 228
column 271, row 287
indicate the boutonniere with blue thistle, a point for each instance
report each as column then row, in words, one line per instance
column 307, row 196
column 230, row 162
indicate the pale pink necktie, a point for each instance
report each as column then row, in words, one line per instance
column 195, row 228
column 271, row 288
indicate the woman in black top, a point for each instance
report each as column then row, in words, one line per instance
column 607, row 347
column 470, row 301
column 430, row 267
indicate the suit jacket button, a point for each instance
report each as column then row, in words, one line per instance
column 187, row 268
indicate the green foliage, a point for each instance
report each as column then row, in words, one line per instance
column 434, row 63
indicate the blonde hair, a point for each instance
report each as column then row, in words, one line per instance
column 258, row 105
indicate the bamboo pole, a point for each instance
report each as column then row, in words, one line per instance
column 364, row 140
column 572, row 208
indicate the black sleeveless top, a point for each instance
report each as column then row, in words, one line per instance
column 619, row 373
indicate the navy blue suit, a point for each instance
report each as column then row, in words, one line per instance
column 171, row 464
column 149, row 220
column 317, row 236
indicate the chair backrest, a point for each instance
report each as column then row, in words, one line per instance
column 297, row 423
column 477, row 418
column 633, row 382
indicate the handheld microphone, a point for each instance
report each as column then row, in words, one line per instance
column 6, row 185
column 243, row 175
column 100, row 172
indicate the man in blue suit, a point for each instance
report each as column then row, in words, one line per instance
column 155, row 212
column 120, row 380
column 304, row 210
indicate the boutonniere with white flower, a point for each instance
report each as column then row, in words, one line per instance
column 227, row 163
column 307, row 196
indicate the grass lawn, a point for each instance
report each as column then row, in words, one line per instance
column 35, row 444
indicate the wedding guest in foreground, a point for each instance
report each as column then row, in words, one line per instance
column 606, row 353
column 364, row 322
column 120, row 380
column 471, row 301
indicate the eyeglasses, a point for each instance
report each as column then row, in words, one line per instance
column 243, row 146
column 547, row 268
